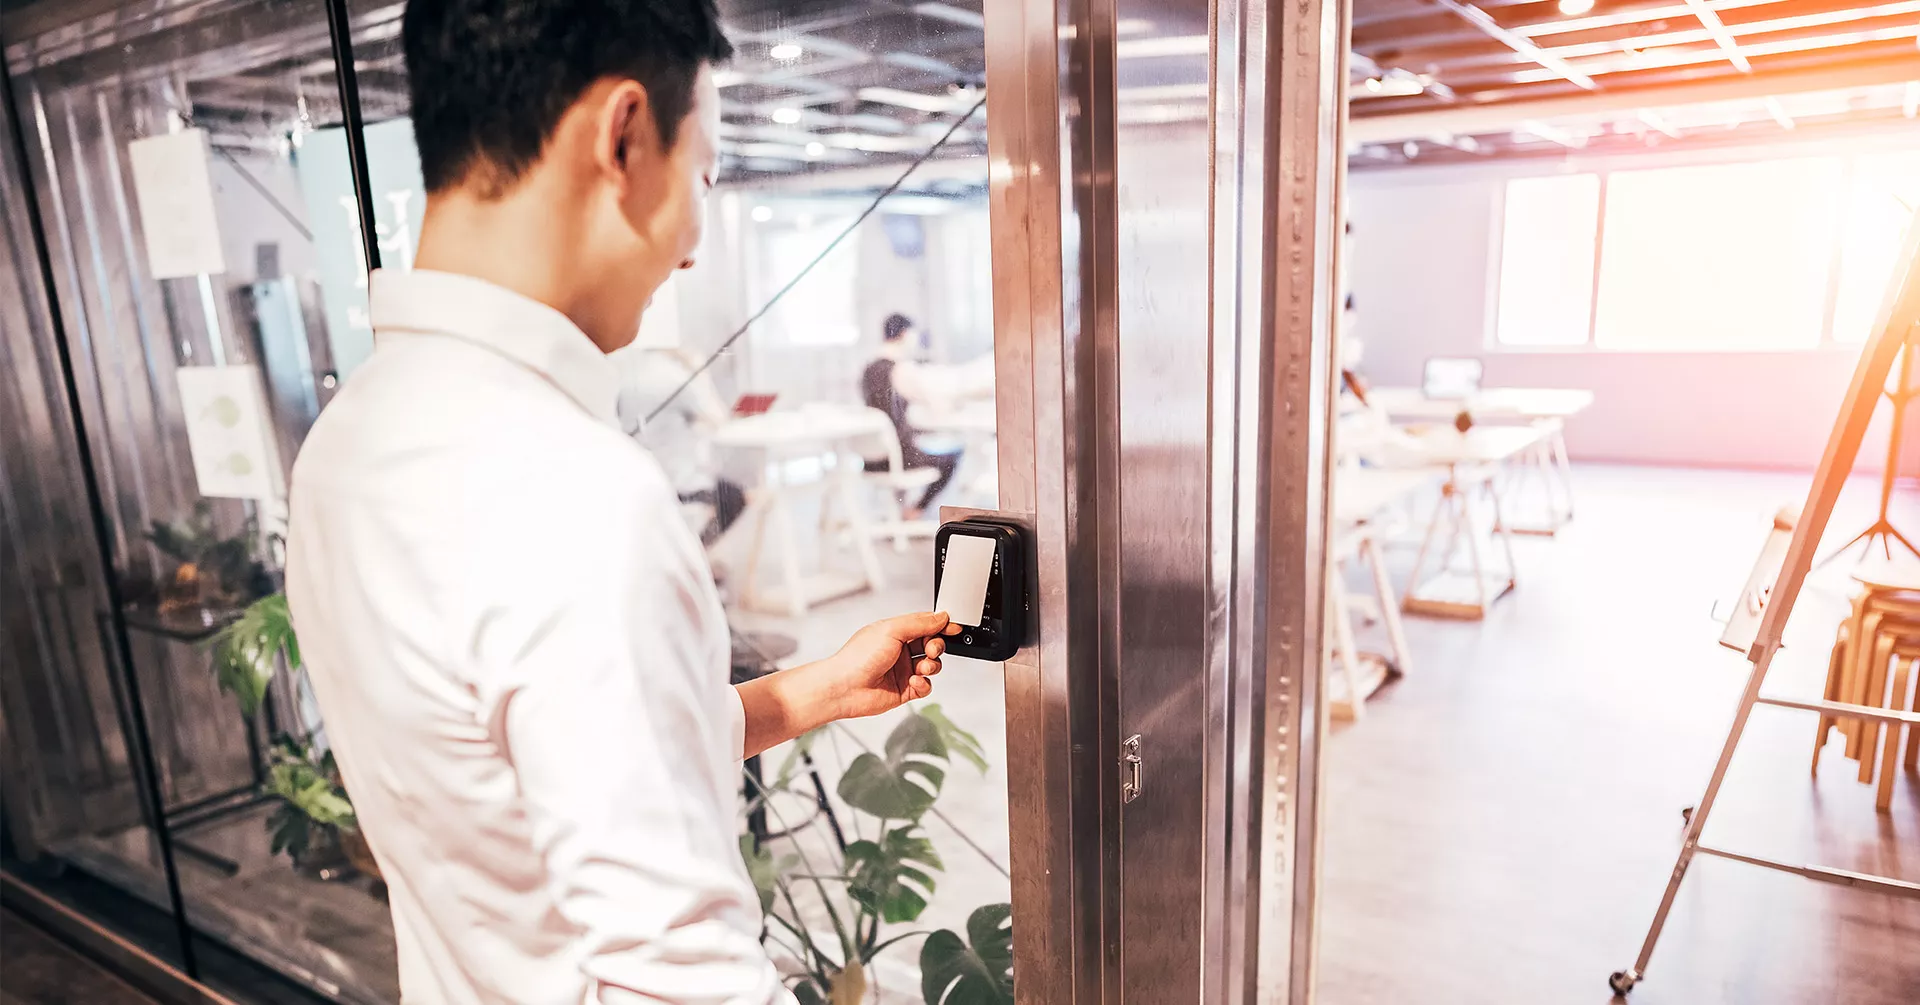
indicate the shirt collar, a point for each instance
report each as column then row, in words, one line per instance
column 520, row 328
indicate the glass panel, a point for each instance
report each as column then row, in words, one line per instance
column 190, row 278
column 1727, row 256
column 1880, row 205
column 1546, row 260
column 77, row 820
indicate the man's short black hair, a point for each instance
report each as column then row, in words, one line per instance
column 490, row 79
column 896, row 326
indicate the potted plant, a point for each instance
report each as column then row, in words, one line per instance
column 883, row 879
column 210, row 570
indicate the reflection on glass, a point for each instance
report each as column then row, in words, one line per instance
column 204, row 232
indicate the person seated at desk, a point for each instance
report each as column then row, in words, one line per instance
column 892, row 383
column 678, row 436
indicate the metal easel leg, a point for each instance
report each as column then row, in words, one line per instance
column 1623, row 981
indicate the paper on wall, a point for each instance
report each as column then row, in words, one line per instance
column 963, row 580
column 175, row 193
column 227, row 431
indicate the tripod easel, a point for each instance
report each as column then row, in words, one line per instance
column 1901, row 395
column 1894, row 334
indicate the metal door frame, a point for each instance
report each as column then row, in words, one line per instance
column 1276, row 93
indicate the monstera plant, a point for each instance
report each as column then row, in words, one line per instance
column 314, row 820
column 830, row 919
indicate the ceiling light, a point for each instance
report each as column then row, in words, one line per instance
column 816, row 149
column 1410, row 149
column 1575, row 8
column 786, row 51
column 762, row 214
column 786, row 116
column 1374, row 85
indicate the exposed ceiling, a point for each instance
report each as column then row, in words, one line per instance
column 829, row 85
column 1453, row 80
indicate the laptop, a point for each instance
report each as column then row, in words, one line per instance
column 1451, row 378
column 753, row 404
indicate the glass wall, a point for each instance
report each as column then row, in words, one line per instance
column 191, row 165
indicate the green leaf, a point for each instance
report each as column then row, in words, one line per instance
column 760, row 869
column 975, row 972
column 892, row 877
column 802, row 747
column 958, row 740
column 808, row 992
column 312, row 789
column 246, row 653
column 903, row 785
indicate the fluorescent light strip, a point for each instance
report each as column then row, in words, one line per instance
column 1519, row 43
column 1718, row 29
column 938, row 104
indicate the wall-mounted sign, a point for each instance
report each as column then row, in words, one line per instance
column 175, row 193
column 233, row 455
column 399, row 202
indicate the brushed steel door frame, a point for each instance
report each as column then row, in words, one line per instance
column 1163, row 422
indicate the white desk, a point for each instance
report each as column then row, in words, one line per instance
column 818, row 431
column 1364, row 503
column 1546, row 464
column 977, row 425
column 1472, row 463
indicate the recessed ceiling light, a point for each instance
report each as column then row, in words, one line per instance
column 786, row 116
column 816, row 149
column 787, row 51
column 762, row 214
column 1575, row 8
column 1374, row 84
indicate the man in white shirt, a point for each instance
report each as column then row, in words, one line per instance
column 513, row 637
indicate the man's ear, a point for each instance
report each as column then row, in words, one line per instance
column 626, row 129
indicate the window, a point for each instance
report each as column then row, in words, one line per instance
column 1782, row 254
column 1546, row 264
column 1727, row 256
column 820, row 310
column 1880, row 203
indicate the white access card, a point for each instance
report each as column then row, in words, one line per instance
column 963, row 582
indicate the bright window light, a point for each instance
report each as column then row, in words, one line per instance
column 1546, row 260
column 1880, row 204
column 1727, row 257
column 786, row 51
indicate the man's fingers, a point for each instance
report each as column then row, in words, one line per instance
column 908, row 627
column 927, row 668
column 919, row 687
column 936, row 648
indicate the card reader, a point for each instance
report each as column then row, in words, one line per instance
column 980, row 580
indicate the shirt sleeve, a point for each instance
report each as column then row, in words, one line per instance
column 625, row 750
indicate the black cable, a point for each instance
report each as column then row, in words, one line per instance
column 822, row 256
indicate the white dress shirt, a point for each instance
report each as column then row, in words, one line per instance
column 523, row 665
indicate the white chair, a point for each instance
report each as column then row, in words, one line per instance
column 897, row 481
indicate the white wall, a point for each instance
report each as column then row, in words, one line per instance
column 1424, row 283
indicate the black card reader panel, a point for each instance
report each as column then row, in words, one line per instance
column 1008, row 609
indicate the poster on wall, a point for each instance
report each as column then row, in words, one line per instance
column 399, row 203
column 174, row 190
column 227, row 432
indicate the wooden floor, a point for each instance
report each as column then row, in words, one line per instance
column 36, row 970
column 1501, row 823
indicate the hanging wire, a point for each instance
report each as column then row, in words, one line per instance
column 873, row 206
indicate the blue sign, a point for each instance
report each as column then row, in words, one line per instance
column 399, row 202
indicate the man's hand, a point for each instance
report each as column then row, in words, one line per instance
column 884, row 666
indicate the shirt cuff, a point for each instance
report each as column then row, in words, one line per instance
column 738, row 726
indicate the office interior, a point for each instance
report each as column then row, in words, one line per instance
column 1605, row 269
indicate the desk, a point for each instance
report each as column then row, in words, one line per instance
column 1548, row 408
column 816, row 431
column 1472, row 464
column 1363, row 503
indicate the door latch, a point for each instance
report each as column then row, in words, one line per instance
column 1131, row 781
